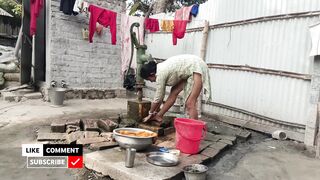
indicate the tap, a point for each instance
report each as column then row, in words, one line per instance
column 53, row 83
column 63, row 84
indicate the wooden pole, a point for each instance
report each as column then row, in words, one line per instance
column 203, row 51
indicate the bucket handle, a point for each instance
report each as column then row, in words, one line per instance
column 204, row 133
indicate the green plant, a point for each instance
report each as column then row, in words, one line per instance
column 12, row 7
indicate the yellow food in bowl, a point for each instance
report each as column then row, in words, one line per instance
column 138, row 134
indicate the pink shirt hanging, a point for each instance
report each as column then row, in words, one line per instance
column 152, row 25
column 105, row 18
column 183, row 13
column 35, row 8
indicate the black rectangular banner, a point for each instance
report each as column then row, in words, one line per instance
column 62, row 150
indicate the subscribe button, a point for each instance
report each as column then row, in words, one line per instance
column 53, row 155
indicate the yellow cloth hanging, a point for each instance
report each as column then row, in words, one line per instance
column 167, row 25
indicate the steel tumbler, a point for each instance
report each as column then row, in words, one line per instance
column 130, row 155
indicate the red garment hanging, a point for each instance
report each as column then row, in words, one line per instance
column 35, row 8
column 152, row 24
column 179, row 30
column 105, row 18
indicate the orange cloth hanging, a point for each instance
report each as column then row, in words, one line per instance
column 167, row 25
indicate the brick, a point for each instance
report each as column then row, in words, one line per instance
column 51, row 136
column 8, row 96
column 74, row 136
column 58, row 126
column 204, row 144
column 72, row 128
column 103, row 145
column 91, row 134
column 156, row 129
column 85, row 141
column 75, row 122
column 90, row 125
column 210, row 152
column 212, row 137
column 107, row 125
column 108, row 135
column 226, row 141
column 218, row 146
column 231, row 138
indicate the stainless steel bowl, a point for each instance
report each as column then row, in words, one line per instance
column 138, row 143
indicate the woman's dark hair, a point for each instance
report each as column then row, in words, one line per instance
column 148, row 69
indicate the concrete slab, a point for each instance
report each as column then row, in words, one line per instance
column 34, row 95
column 111, row 162
column 85, row 141
column 103, row 145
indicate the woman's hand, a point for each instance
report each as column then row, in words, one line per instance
column 148, row 118
column 157, row 118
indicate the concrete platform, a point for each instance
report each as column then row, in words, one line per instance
column 111, row 162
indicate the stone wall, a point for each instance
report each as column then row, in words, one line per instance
column 73, row 59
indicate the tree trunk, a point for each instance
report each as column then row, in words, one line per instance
column 161, row 6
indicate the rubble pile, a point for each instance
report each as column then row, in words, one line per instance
column 96, row 134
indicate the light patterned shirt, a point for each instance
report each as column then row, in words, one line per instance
column 177, row 68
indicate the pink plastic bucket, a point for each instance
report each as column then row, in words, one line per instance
column 189, row 133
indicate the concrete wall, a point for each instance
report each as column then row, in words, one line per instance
column 71, row 58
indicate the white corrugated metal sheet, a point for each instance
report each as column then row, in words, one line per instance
column 281, row 45
column 221, row 11
column 277, row 44
column 277, row 97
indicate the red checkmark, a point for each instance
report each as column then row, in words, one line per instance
column 75, row 161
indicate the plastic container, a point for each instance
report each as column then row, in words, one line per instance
column 195, row 172
column 189, row 133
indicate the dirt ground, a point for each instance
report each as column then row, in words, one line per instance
column 258, row 158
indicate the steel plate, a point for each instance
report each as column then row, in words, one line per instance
column 162, row 159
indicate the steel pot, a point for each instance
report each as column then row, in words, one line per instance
column 138, row 143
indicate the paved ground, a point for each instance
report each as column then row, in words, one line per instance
column 20, row 121
column 262, row 158
column 259, row 158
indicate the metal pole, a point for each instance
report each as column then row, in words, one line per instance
column 18, row 44
column 33, row 58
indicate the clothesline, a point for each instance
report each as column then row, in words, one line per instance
column 162, row 19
